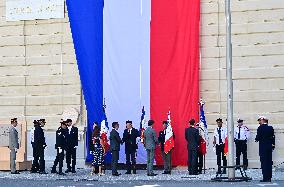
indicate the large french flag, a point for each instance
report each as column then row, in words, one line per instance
column 138, row 53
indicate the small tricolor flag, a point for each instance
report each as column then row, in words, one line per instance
column 169, row 138
column 104, row 131
column 142, row 125
column 204, row 142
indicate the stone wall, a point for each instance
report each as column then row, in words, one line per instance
column 258, row 54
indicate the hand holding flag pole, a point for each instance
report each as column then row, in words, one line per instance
column 169, row 137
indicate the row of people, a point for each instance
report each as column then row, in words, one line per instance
column 67, row 141
column 265, row 136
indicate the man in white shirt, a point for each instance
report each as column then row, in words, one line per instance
column 220, row 135
column 241, row 136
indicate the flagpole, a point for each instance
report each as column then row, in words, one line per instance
column 231, row 171
column 204, row 166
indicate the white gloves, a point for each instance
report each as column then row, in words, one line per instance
column 75, row 147
column 59, row 150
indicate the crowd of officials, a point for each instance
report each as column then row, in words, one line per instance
column 67, row 142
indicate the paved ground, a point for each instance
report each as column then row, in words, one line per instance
column 178, row 178
column 153, row 183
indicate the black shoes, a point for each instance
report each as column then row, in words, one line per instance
column 152, row 174
column 16, row 172
column 128, row 172
column 73, row 171
column 61, row 173
column 166, row 172
column 265, row 180
column 116, row 174
column 68, row 170
column 53, row 171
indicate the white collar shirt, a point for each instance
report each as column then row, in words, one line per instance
column 223, row 135
column 244, row 133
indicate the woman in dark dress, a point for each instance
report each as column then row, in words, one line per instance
column 98, row 153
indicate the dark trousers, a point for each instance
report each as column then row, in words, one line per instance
column 220, row 154
column 59, row 159
column 241, row 148
column 192, row 161
column 200, row 161
column 71, row 154
column 35, row 165
column 38, row 162
column 114, row 161
column 167, row 158
column 131, row 161
column 266, row 164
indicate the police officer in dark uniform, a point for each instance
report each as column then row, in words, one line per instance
column 39, row 146
column 60, row 146
column 35, row 164
column 266, row 138
column 192, row 138
column 72, row 144
column 130, row 135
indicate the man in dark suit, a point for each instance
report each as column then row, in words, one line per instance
column 130, row 135
column 192, row 138
column 39, row 146
column 72, row 144
column 60, row 146
column 115, row 142
column 13, row 145
column 167, row 157
column 266, row 138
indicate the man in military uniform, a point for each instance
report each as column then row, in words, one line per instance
column 220, row 135
column 35, row 164
column 38, row 147
column 241, row 136
column 13, row 145
column 72, row 144
column 167, row 157
column 115, row 142
column 130, row 135
column 192, row 138
column 266, row 138
column 60, row 146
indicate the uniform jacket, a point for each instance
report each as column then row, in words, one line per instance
column 115, row 140
column 72, row 137
column 192, row 138
column 130, row 140
column 150, row 138
column 13, row 138
column 265, row 137
column 39, row 139
column 61, row 140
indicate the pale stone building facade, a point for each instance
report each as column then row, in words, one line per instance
column 39, row 75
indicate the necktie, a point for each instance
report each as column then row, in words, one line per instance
column 220, row 138
column 239, row 134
